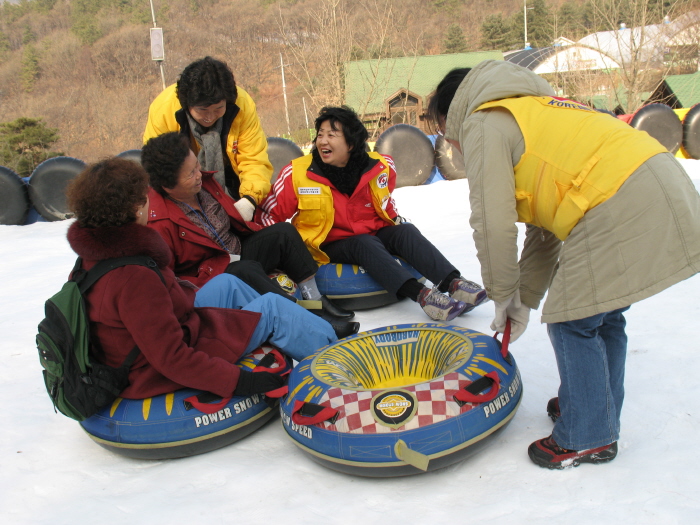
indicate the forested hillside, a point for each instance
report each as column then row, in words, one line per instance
column 84, row 66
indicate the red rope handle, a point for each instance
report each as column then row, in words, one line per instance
column 506, row 339
column 280, row 361
column 467, row 397
column 325, row 414
column 208, row 408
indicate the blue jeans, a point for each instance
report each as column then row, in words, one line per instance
column 590, row 356
column 283, row 323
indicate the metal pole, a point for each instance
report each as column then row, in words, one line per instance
column 284, row 92
column 525, row 20
column 160, row 62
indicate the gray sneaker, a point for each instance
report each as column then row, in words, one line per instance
column 438, row 306
column 468, row 292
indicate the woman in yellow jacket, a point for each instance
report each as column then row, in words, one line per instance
column 222, row 124
column 611, row 219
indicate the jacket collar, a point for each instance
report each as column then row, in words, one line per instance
column 96, row 244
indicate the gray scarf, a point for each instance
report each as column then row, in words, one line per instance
column 210, row 155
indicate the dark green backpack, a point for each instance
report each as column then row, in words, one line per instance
column 78, row 385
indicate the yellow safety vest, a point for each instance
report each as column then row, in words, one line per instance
column 575, row 158
column 315, row 203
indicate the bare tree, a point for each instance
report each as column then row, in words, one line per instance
column 637, row 37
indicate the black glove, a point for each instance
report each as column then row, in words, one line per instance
column 257, row 383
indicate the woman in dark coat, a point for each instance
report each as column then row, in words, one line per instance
column 182, row 345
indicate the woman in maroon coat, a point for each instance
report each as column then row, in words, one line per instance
column 181, row 345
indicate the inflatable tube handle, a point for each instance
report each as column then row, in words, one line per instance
column 276, row 357
column 413, row 458
column 308, row 414
column 467, row 395
column 278, row 392
column 506, row 340
column 203, row 406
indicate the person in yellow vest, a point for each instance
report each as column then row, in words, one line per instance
column 221, row 122
column 339, row 198
column 611, row 219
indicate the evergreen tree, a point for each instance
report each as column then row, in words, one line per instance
column 454, row 40
column 30, row 68
column 539, row 24
column 28, row 35
column 569, row 23
column 25, row 143
column 84, row 20
column 4, row 46
column 496, row 33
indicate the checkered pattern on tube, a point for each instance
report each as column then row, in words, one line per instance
column 261, row 352
column 435, row 404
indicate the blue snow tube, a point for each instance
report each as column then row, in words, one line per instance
column 659, row 121
column 412, row 151
column 281, row 152
column 47, row 186
column 131, row 154
column 351, row 287
column 402, row 399
column 14, row 201
column 186, row 422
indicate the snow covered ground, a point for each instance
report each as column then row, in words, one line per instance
column 51, row 472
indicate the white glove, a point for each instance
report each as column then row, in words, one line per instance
column 245, row 208
column 512, row 309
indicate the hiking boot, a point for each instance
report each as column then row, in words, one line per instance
column 468, row 292
column 344, row 329
column 326, row 309
column 438, row 306
column 546, row 453
column 553, row 409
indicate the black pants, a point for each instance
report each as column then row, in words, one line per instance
column 374, row 254
column 276, row 247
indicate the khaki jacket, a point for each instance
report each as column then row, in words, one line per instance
column 643, row 239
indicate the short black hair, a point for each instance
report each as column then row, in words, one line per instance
column 445, row 91
column 205, row 82
column 353, row 129
column 162, row 157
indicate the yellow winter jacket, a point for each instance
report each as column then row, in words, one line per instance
column 570, row 164
column 246, row 145
column 315, row 203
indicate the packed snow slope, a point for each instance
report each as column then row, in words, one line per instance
column 51, row 472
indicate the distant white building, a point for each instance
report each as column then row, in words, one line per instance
column 653, row 45
column 562, row 58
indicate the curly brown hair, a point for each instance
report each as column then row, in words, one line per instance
column 108, row 193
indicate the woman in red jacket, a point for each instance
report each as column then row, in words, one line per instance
column 208, row 235
column 339, row 198
column 181, row 345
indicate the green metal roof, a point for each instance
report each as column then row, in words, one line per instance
column 686, row 88
column 369, row 82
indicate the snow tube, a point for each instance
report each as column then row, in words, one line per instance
column 47, row 186
column 401, row 399
column 14, row 201
column 448, row 160
column 660, row 122
column 412, row 152
column 185, row 422
column 350, row 286
column 691, row 132
column 281, row 152
column 131, row 154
